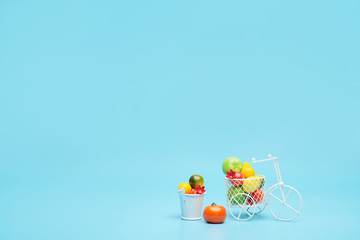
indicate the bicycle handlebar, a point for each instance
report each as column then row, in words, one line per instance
column 263, row 160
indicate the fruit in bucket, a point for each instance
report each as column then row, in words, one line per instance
column 214, row 213
column 232, row 163
column 198, row 190
column 186, row 186
column 238, row 199
column 251, row 184
column 247, row 170
column 196, row 180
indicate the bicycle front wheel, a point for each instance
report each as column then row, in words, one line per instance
column 285, row 202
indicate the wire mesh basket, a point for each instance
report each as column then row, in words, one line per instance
column 245, row 197
column 248, row 196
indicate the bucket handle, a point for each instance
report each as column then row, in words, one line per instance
column 182, row 192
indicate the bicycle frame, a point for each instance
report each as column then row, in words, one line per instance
column 278, row 174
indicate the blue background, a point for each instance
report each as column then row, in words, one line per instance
column 106, row 106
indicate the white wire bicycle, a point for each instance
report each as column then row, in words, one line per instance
column 282, row 204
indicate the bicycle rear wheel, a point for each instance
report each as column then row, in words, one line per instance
column 239, row 207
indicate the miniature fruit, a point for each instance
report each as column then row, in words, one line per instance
column 234, row 198
column 196, row 180
column 262, row 180
column 238, row 175
column 214, row 213
column 249, row 201
column 247, row 170
column 257, row 195
column 186, row 186
column 232, row 163
column 193, row 192
column 251, row 184
column 235, row 175
column 230, row 174
column 199, row 190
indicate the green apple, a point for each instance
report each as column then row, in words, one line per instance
column 232, row 163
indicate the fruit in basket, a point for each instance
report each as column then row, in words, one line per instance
column 196, row 180
column 249, row 201
column 238, row 175
column 236, row 195
column 214, row 213
column 262, row 180
column 251, row 184
column 236, row 183
column 232, row 163
column 186, row 186
column 247, row 170
column 257, row 195
column 230, row 174
column 235, row 175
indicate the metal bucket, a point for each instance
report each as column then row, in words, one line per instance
column 191, row 205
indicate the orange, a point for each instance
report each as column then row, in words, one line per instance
column 186, row 186
column 214, row 213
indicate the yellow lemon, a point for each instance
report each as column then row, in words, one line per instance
column 186, row 186
column 250, row 185
column 262, row 180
